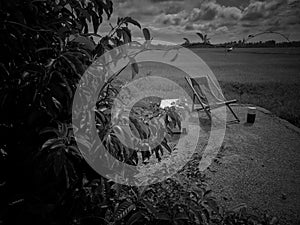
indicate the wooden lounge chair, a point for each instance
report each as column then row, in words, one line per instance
column 207, row 99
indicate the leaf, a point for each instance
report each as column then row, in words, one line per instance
column 84, row 24
column 181, row 216
column 83, row 52
column 52, row 143
column 74, row 151
column 137, row 217
column 151, row 209
column 132, row 21
column 96, row 22
column 163, row 216
column 196, row 215
column 165, row 145
column 200, row 35
column 146, row 33
column 140, row 126
column 119, row 33
column 43, row 49
column 2, row 66
column 66, row 176
column 128, row 138
column 105, row 43
column 187, row 40
column 119, row 133
column 57, row 104
column 126, row 35
column 100, row 115
column 238, row 207
column 175, row 117
column 134, row 129
column 70, row 63
column 108, row 8
column 49, row 130
column 123, row 210
column 213, row 205
column 59, row 162
column 76, row 62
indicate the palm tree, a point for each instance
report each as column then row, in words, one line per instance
column 204, row 38
column 187, row 41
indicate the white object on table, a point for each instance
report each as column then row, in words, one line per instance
column 168, row 103
column 176, row 102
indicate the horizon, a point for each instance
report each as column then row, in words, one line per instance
column 222, row 20
column 160, row 42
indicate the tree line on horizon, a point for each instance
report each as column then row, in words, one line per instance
column 244, row 43
column 241, row 44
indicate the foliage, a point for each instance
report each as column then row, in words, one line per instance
column 204, row 38
column 46, row 46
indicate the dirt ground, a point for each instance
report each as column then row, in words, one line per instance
column 259, row 165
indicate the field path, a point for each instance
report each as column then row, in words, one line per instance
column 260, row 166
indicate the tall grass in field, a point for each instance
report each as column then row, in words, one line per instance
column 280, row 98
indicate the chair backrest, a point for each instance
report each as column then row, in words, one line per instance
column 204, row 89
column 197, row 89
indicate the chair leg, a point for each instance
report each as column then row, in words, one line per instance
column 207, row 113
column 193, row 106
column 233, row 113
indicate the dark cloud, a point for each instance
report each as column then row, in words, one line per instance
column 210, row 11
column 172, row 7
column 234, row 3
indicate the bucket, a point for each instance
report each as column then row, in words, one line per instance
column 251, row 114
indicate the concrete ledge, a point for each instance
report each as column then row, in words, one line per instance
column 265, row 111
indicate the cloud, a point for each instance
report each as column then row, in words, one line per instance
column 231, row 13
column 223, row 29
column 204, row 27
column 214, row 17
column 275, row 15
column 138, row 9
column 171, row 19
column 254, row 11
column 172, row 7
column 207, row 11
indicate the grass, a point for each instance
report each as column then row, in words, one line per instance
column 281, row 99
column 266, row 77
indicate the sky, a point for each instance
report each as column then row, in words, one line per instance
column 221, row 20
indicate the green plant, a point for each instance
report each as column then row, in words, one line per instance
column 204, row 38
column 45, row 48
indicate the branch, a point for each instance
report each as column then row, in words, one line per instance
column 91, row 34
column 267, row 32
